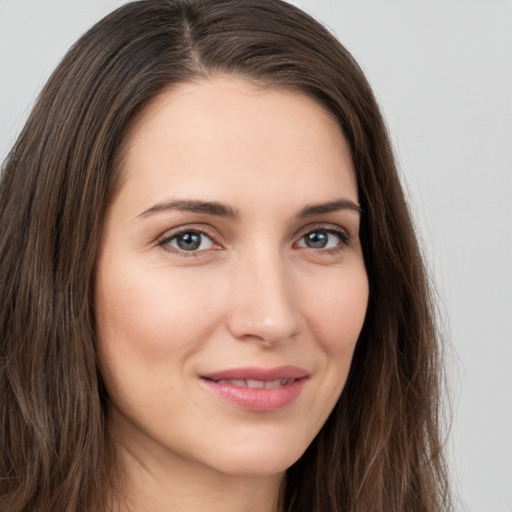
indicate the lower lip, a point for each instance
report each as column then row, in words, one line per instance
column 257, row 399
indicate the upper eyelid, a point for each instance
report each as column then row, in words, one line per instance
column 327, row 226
column 343, row 236
column 174, row 232
column 163, row 242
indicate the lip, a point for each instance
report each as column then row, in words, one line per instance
column 257, row 399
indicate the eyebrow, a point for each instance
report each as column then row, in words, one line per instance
column 208, row 207
column 223, row 210
column 329, row 207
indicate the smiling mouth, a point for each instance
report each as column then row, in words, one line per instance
column 258, row 389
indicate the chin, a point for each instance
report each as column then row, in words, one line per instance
column 258, row 461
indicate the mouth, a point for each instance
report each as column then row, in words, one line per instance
column 257, row 389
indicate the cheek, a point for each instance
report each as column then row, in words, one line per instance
column 149, row 324
column 334, row 314
column 153, row 311
column 337, row 313
column 336, row 318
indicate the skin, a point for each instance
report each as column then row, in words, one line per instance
column 255, row 293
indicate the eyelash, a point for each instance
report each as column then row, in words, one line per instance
column 164, row 241
column 343, row 236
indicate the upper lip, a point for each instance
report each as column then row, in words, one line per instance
column 258, row 373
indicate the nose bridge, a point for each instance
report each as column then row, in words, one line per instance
column 263, row 306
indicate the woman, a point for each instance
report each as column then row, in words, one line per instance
column 212, row 295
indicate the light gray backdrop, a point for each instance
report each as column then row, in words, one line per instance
column 443, row 74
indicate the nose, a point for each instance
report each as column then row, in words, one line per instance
column 262, row 302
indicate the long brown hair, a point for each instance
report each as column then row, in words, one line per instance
column 381, row 448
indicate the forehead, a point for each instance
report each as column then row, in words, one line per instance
column 227, row 136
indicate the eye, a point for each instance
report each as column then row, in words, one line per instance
column 323, row 239
column 188, row 241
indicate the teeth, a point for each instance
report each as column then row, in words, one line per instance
column 272, row 384
column 233, row 382
column 256, row 384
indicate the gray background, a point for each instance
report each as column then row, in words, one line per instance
column 442, row 72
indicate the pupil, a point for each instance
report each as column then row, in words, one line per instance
column 317, row 240
column 189, row 241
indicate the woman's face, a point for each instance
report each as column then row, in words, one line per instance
column 230, row 287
